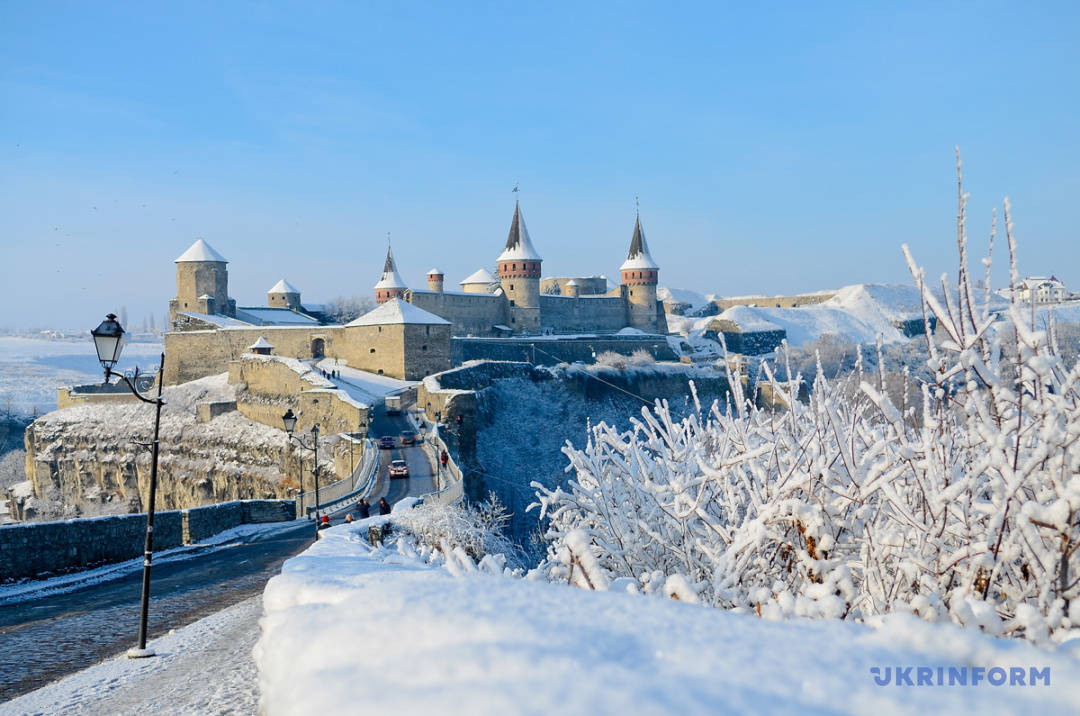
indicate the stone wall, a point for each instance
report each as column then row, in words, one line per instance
column 587, row 285
column 267, row 386
column 590, row 314
column 472, row 314
column 194, row 354
column 47, row 548
column 554, row 350
column 807, row 299
column 67, row 397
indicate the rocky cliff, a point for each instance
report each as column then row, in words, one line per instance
column 85, row 460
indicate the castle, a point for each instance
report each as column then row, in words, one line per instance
column 519, row 302
column 408, row 335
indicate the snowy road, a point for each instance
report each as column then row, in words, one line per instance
column 47, row 638
column 205, row 668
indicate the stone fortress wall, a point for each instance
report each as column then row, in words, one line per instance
column 806, row 299
column 470, row 314
column 46, row 548
column 267, row 386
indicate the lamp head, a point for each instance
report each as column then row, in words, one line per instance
column 289, row 420
column 109, row 341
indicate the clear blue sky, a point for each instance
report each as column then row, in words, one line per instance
column 775, row 147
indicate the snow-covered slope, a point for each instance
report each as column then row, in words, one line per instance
column 350, row 628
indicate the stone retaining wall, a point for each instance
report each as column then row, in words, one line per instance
column 43, row 549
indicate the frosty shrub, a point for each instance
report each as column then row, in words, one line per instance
column 842, row 507
column 12, row 468
column 478, row 529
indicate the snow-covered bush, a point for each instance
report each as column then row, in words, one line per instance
column 844, row 507
column 478, row 530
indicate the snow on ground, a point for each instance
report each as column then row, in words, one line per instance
column 31, row 369
column 204, row 668
column 351, row 629
column 368, row 388
column 695, row 300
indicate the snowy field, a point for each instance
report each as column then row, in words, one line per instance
column 352, row 629
column 31, row 369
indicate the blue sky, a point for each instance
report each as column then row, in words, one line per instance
column 775, row 147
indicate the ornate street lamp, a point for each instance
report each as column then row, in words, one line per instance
column 109, row 341
column 289, row 421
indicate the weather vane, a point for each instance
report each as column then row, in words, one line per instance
column 637, row 205
column 515, row 191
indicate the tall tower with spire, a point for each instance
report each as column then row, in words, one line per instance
column 519, row 276
column 202, row 283
column 390, row 285
column 639, row 277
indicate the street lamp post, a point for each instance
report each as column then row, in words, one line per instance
column 289, row 421
column 109, row 341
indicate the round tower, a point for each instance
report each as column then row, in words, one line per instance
column 283, row 295
column 202, row 283
column 573, row 289
column 435, row 280
column 390, row 285
column 639, row 277
column 519, row 276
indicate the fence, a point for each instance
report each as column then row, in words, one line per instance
column 338, row 494
column 450, row 488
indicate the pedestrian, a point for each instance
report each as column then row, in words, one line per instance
column 349, row 518
column 363, row 509
column 325, row 522
column 443, row 458
column 384, row 506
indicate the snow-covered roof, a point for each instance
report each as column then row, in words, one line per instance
column 638, row 258
column 572, row 282
column 273, row 316
column 201, row 251
column 434, row 272
column 284, row 286
column 206, row 297
column 390, row 276
column 261, row 343
column 216, row 319
column 481, row 276
column 396, row 311
column 1038, row 281
column 518, row 244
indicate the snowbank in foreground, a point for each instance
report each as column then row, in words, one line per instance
column 350, row 629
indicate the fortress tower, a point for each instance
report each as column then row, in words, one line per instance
column 639, row 277
column 283, row 295
column 519, row 275
column 202, row 283
column 435, row 280
column 390, row 285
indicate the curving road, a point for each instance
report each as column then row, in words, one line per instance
column 421, row 478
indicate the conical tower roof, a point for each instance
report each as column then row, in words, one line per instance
column 201, row 251
column 284, row 286
column 639, row 259
column 518, row 244
column 390, row 276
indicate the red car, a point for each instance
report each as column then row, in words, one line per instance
column 398, row 468
column 386, row 442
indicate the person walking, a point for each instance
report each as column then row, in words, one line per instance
column 384, row 506
column 325, row 522
column 363, row 509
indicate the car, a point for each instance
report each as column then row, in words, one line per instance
column 408, row 437
column 398, row 468
column 386, row 442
